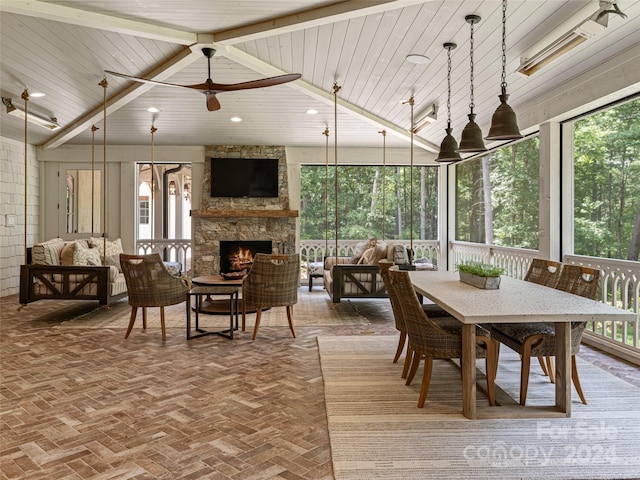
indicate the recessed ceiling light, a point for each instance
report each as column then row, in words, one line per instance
column 417, row 58
column 312, row 111
column 153, row 110
column 36, row 94
column 236, row 119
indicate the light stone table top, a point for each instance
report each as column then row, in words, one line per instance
column 516, row 301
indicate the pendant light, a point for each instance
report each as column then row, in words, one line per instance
column 449, row 144
column 471, row 140
column 504, row 125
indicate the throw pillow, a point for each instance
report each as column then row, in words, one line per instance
column 66, row 255
column 114, row 261
column 381, row 252
column 113, row 248
column 400, row 256
column 357, row 254
column 86, row 256
column 368, row 257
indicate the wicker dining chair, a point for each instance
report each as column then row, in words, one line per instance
column 149, row 284
column 441, row 339
column 272, row 282
column 538, row 339
column 547, row 273
column 431, row 309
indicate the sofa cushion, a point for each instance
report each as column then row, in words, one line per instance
column 361, row 247
column 47, row 253
column 86, row 256
column 399, row 254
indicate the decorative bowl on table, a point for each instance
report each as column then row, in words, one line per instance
column 234, row 275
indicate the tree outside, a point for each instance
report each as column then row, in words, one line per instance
column 373, row 201
column 606, row 149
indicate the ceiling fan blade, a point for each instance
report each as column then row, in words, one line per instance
column 212, row 102
column 260, row 83
column 144, row 80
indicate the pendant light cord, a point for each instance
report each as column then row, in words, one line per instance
column 25, row 97
column 503, row 83
column 93, row 167
column 326, row 190
column 449, row 86
column 152, row 210
column 104, row 84
column 471, row 104
column 411, row 102
column 384, row 178
column 336, row 89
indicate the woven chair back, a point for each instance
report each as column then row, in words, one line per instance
column 425, row 336
column 273, row 281
column 582, row 281
column 149, row 283
column 385, row 265
column 544, row 272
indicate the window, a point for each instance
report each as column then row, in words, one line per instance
column 144, row 211
column 497, row 197
column 372, row 202
column 606, row 154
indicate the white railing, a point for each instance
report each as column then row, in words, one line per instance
column 620, row 287
column 171, row 250
column 515, row 261
column 316, row 250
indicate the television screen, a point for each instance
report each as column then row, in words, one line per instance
column 244, row 177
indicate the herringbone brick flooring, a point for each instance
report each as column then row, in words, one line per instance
column 87, row 404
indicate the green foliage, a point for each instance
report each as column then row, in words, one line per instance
column 606, row 182
column 480, row 269
column 511, row 216
column 363, row 191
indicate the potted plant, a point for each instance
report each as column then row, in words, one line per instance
column 480, row 275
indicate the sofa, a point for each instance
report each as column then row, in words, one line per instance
column 358, row 276
column 73, row 270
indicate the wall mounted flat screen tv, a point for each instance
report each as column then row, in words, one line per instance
column 244, row 177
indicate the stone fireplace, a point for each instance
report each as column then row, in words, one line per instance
column 241, row 219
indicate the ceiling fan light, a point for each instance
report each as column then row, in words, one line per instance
column 504, row 124
column 471, row 139
column 448, row 149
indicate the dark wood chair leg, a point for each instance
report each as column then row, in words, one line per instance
column 426, row 380
column 415, row 363
column 257, row 325
column 162, row 326
column 576, row 379
column 290, row 319
column 132, row 320
column 407, row 362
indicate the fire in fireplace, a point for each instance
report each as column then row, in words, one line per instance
column 237, row 255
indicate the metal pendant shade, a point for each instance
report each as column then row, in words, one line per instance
column 504, row 125
column 448, row 149
column 449, row 146
column 471, row 140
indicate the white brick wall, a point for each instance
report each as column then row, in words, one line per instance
column 12, row 241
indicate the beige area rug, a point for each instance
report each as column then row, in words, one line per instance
column 312, row 309
column 377, row 431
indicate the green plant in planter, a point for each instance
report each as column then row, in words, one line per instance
column 480, row 269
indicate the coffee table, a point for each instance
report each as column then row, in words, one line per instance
column 213, row 306
column 207, row 290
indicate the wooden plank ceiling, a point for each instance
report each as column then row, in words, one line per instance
column 61, row 48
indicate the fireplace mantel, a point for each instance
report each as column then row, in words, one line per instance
column 244, row 213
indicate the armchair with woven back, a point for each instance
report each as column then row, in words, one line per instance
column 538, row 339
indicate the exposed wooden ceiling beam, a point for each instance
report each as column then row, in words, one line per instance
column 186, row 57
column 85, row 18
column 309, row 18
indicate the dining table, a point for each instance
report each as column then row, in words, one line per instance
column 515, row 301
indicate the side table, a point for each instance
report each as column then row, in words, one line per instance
column 200, row 291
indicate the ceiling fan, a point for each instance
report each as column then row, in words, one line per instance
column 210, row 89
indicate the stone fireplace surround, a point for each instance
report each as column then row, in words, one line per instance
column 234, row 219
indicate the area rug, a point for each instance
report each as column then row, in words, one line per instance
column 377, row 431
column 312, row 309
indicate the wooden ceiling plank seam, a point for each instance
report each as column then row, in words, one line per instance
column 338, row 36
column 322, row 54
column 346, row 54
column 297, row 53
column 389, row 29
column 309, row 49
column 388, row 99
column 273, row 46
